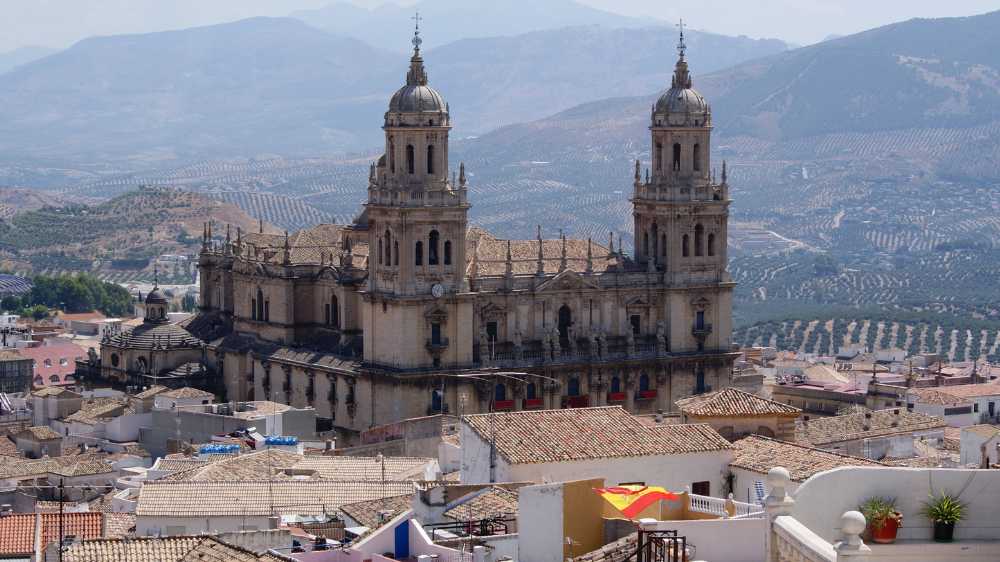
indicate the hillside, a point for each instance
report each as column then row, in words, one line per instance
column 444, row 21
column 269, row 86
column 121, row 234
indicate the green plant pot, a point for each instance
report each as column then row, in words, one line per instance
column 944, row 532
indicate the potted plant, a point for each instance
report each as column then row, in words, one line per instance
column 944, row 510
column 883, row 519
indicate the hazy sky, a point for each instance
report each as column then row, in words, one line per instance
column 58, row 23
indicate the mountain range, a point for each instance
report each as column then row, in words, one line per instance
column 446, row 21
column 277, row 85
column 22, row 55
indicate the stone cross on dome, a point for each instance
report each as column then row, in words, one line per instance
column 417, row 41
column 681, row 47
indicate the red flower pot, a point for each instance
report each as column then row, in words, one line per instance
column 886, row 533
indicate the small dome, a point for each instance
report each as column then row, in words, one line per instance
column 417, row 98
column 155, row 297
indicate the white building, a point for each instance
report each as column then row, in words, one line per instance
column 979, row 442
column 604, row 442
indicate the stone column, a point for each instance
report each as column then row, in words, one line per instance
column 777, row 503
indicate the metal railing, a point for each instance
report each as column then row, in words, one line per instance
column 662, row 546
column 722, row 507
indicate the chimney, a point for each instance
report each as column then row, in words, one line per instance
column 659, row 416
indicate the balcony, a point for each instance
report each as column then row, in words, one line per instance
column 581, row 401
column 646, row 395
column 616, row 397
column 702, row 332
column 533, row 403
column 437, row 346
column 820, row 523
column 503, row 405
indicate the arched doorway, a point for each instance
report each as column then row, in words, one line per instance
column 565, row 320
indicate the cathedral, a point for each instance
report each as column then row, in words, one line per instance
column 411, row 311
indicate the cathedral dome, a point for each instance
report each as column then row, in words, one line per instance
column 417, row 98
column 682, row 101
column 681, row 105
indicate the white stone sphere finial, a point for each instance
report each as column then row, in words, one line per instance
column 778, row 477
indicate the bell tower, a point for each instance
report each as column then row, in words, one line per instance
column 681, row 216
column 417, row 223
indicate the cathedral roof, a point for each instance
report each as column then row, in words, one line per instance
column 155, row 336
column 316, row 244
column 488, row 255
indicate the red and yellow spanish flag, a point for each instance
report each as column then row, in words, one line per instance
column 631, row 500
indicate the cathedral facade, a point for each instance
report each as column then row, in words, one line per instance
column 410, row 311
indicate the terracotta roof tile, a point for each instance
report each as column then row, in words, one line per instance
column 207, row 499
column 587, row 433
column 484, row 504
column 40, row 432
column 761, row 454
column 164, row 549
column 823, row 431
column 17, row 531
column 937, row 397
column 734, row 402
column 188, row 392
column 367, row 512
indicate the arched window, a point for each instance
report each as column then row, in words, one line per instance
column 418, row 253
column 663, row 245
column 565, row 320
column 573, row 388
column 409, row 159
column 380, row 261
column 500, row 392
column 659, row 156
column 616, row 384
column 447, row 252
column 432, row 248
column 267, row 310
column 696, row 157
column 711, row 244
column 334, row 311
column 54, row 378
column 677, row 156
column 530, row 391
column 699, row 240
column 430, row 159
column 656, row 239
column 395, row 252
column 436, row 400
column 645, row 243
column 684, row 246
column 253, row 308
column 392, row 156
column 114, row 359
column 388, row 247
column 699, row 384
column 260, row 305
column 643, row 382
